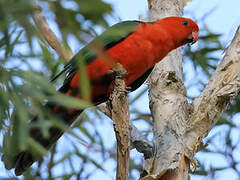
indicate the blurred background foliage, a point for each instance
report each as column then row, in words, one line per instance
column 27, row 64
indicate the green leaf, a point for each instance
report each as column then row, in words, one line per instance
column 66, row 129
column 222, row 121
column 63, row 158
column 86, row 132
column 86, row 158
column 36, row 148
column 69, row 101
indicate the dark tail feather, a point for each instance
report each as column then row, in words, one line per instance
column 25, row 159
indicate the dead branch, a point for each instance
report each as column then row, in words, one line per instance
column 119, row 108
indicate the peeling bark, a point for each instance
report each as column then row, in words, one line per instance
column 178, row 126
column 223, row 86
column 119, row 108
column 168, row 104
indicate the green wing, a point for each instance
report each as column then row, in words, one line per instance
column 107, row 39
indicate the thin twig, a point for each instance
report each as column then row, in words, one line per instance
column 51, row 162
column 43, row 27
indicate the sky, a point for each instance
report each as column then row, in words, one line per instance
column 221, row 16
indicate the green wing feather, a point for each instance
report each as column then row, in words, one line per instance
column 107, row 39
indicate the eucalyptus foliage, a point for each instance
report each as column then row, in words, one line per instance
column 27, row 64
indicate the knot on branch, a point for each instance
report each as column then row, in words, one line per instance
column 119, row 71
column 171, row 77
column 144, row 147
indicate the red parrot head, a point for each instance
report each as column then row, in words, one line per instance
column 182, row 30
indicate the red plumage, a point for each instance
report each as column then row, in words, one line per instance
column 138, row 51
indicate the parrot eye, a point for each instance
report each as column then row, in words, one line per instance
column 185, row 23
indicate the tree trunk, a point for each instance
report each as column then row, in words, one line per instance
column 178, row 126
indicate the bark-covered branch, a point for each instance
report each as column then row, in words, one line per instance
column 119, row 110
column 43, row 27
column 179, row 127
column 223, row 86
column 168, row 104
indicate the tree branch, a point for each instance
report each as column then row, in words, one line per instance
column 168, row 104
column 119, row 108
column 43, row 27
column 137, row 140
column 179, row 127
column 223, row 86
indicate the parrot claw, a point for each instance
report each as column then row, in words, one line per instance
column 116, row 74
column 110, row 72
column 119, row 71
column 128, row 88
column 124, row 92
column 119, row 76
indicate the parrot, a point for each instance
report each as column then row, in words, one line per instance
column 136, row 45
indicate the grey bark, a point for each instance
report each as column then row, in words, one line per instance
column 178, row 126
